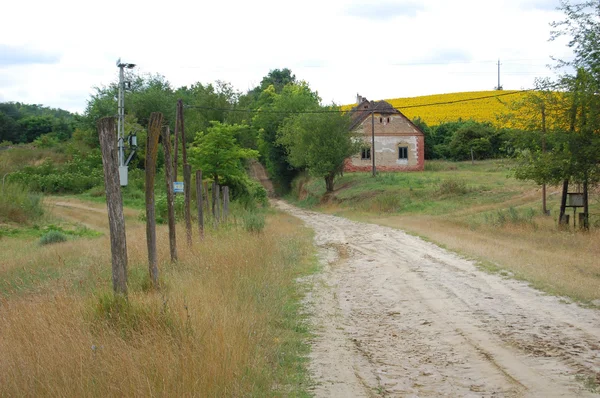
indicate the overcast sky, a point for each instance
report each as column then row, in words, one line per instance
column 55, row 52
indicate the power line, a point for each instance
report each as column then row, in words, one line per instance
column 357, row 110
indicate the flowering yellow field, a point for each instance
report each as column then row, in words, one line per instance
column 436, row 109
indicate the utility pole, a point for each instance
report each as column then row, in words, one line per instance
column 373, row 140
column 499, row 87
column 121, row 122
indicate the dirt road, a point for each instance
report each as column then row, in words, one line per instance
column 397, row 316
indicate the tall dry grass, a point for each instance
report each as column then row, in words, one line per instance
column 226, row 321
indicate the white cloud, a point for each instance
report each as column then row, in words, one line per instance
column 340, row 47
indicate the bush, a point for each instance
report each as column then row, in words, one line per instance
column 77, row 175
column 162, row 211
column 452, row 188
column 51, row 237
column 254, row 221
column 386, row 203
column 18, row 204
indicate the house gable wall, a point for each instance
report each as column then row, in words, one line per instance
column 389, row 135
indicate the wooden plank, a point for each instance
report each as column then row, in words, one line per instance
column 154, row 127
column 114, row 203
column 166, row 140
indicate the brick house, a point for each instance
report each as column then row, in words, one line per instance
column 399, row 144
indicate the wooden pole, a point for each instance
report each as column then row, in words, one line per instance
column 218, row 203
column 187, row 190
column 182, row 131
column 373, row 140
column 114, row 203
column 225, row 203
column 207, row 202
column 199, row 203
column 166, row 133
column 214, row 200
column 154, row 127
column 176, row 145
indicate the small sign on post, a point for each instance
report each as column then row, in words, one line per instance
column 178, row 186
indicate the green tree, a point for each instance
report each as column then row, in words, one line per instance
column 575, row 153
column 276, row 108
column 217, row 153
column 319, row 142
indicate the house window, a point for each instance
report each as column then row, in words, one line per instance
column 388, row 119
column 380, row 120
column 365, row 153
column 402, row 152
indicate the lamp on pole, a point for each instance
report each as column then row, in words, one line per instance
column 121, row 120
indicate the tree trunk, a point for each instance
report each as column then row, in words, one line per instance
column 329, row 182
column 114, row 203
column 170, row 195
column 563, row 202
column 154, row 127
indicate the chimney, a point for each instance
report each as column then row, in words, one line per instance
column 359, row 99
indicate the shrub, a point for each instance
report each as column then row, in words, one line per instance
column 386, row 203
column 18, row 204
column 51, row 237
column 452, row 187
column 162, row 211
column 254, row 221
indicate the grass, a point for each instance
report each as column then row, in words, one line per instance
column 226, row 322
column 478, row 211
column 19, row 205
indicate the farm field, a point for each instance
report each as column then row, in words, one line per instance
column 479, row 212
column 225, row 321
column 434, row 109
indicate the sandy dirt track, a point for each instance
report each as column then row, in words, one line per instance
column 397, row 316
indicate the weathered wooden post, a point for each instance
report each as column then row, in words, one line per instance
column 154, row 127
column 166, row 135
column 187, row 189
column 114, row 203
column 176, row 143
column 214, row 200
column 199, row 203
column 207, row 202
column 225, row 203
column 218, row 203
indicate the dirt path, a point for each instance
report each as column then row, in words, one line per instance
column 258, row 172
column 397, row 316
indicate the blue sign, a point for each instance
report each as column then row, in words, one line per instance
column 178, row 187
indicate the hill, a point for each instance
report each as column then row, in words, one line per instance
column 439, row 108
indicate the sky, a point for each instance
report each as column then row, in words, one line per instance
column 56, row 52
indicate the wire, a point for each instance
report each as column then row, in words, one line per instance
column 356, row 110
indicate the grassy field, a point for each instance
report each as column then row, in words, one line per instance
column 226, row 321
column 479, row 211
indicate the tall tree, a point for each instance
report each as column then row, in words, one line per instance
column 575, row 155
column 320, row 142
column 217, row 153
column 275, row 109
